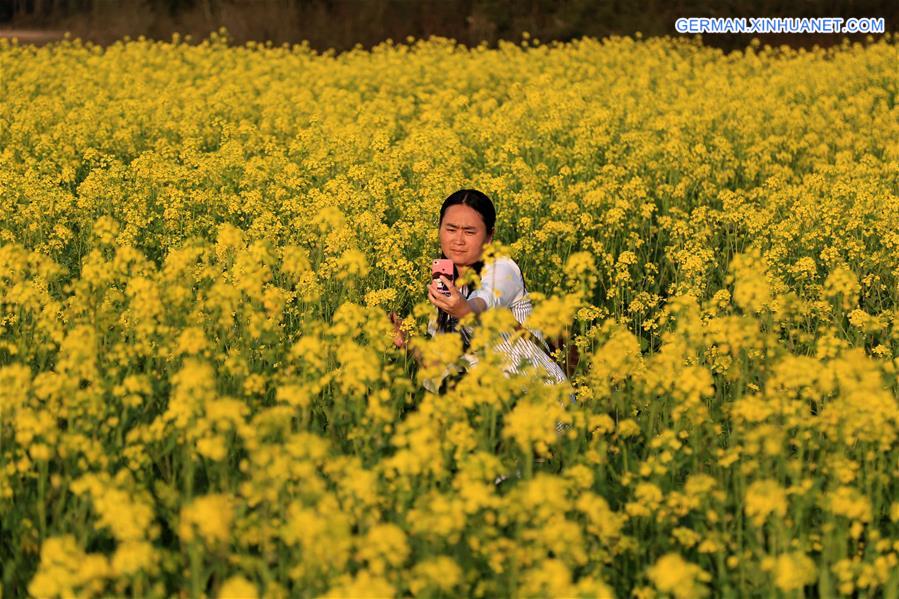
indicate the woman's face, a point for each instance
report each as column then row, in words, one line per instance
column 463, row 235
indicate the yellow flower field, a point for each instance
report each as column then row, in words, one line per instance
column 199, row 392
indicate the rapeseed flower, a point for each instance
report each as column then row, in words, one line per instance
column 198, row 385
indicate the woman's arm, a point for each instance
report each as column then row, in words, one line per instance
column 477, row 305
column 501, row 284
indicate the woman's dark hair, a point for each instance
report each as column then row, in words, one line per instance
column 475, row 200
column 482, row 204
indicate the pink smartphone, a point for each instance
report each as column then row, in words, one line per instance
column 445, row 267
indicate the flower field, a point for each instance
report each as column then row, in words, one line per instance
column 199, row 391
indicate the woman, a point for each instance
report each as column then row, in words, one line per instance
column 467, row 222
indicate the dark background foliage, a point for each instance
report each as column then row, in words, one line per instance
column 341, row 24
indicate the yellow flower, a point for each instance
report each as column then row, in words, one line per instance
column 850, row 503
column 194, row 280
column 213, row 447
column 294, row 262
column 191, row 341
column 238, row 587
column 647, row 499
column 580, row 269
column 132, row 557
column 843, row 284
column 550, row 578
column 628, row 428
column 439, row 573
column 894, row 511
column 794, row 571
column 752, row 291
column 127, row 515
column 764, row 498
column 15, row 383
column 602, row 521
column 532, row 424
column 352, row 263
column 618, row 359
column 385, row 545
column 106, row 229
column 552, row 316
column 208, row 518
column 296, row 395
column 672, row 574
column 66, row 570
column 363, row 584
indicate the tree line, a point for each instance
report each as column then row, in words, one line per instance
column 341, row 24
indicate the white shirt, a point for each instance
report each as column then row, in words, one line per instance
column 503, row 286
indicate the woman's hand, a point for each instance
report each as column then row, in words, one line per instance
column 399, row 338
column 453, row 304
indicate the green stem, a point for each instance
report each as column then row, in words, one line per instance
column 196, row 573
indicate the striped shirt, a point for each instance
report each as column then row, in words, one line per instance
column 503, row 286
